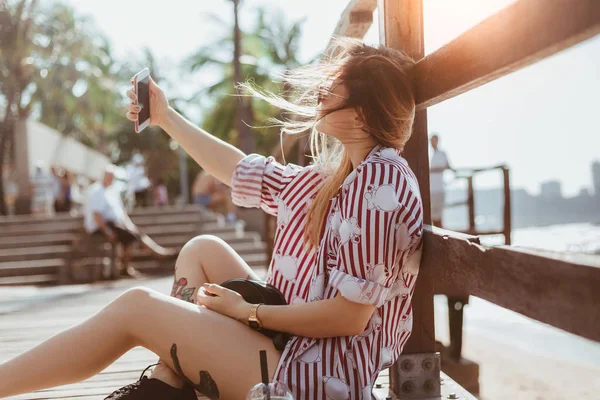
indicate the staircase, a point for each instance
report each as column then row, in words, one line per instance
column 34, row 250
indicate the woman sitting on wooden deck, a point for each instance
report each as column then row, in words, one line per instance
column 345, row 254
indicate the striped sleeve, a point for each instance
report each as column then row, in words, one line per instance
column 380, row 224
column 258, row 181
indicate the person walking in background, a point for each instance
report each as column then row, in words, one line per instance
column 43, row 188
column 160, row 193
column 439, row 163
column 104, row 214
column 138, row 181
column 208, row 192
column 62, row 200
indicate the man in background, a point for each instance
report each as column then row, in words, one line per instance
column 208, row 192
column 104, row 214
column 438, row 164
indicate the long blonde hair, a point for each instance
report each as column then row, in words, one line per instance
column 380, row 91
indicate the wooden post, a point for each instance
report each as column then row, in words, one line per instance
column 471, row 206
column 507, row 211
column 401, row 27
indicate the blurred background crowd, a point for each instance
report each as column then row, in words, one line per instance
column 59, row 72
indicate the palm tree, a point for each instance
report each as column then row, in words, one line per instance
column 54, row 69
column 272, row 45
column 16, row 43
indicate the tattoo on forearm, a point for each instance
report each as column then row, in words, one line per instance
column 180, row 291
column 207, row 386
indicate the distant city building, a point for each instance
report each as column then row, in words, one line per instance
column 584, row 193
column 596, row 177
column 551, row 190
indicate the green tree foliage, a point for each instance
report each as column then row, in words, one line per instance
column 57, row 68
column 54, row 66
column 271, row 46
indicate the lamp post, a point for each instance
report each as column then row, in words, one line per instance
column 183, row 176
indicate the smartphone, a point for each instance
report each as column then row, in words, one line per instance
column 141, row 86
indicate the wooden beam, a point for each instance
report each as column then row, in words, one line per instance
column 356, row 18
column 401, row 27
column 521, row 34
column 555, row 288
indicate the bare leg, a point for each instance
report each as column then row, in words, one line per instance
column 208, row 344
column 221, row 349
column 71, row 356
column 143, row 317
column 203, row 259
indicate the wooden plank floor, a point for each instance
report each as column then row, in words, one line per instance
column 21, row 330
column 48, row 311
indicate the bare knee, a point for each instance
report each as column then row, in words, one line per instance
column 202, row 244
column 132, row 299
column 125, row 308
column 136, row 295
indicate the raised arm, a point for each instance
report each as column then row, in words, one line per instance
column 215, row 156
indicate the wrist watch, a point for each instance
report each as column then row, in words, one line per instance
column 253, row 320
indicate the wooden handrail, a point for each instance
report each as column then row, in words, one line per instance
column 555, row 288
column 503, row 43
column 356, row 19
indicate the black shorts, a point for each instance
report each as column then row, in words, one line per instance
column 124, row 236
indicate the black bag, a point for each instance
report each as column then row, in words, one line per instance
column 256, row 292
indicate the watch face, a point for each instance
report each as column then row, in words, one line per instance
column 254, row 325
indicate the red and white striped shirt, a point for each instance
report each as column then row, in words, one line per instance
column 369, row 252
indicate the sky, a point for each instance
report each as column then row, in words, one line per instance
column 542, row 121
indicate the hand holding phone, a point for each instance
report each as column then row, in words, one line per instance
column 141, row 85
column 148, row 102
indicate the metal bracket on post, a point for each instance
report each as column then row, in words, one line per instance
column 417, row 376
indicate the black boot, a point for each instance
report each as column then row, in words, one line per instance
column 149, row 388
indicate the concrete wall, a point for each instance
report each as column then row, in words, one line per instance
column 35, row 142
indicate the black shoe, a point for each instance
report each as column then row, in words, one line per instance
column 149, row 388
column 188, row 393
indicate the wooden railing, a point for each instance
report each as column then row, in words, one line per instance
column 521, row 34
column 558, row 289
column 469, row 176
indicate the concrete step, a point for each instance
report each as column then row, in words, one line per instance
column 242, row 249
column 158, row 220
column 34, row 219
column 34, row 249
column 216, row 227
column 14, row 242
column 170, row 210
column 199, row 218
column 43, row 279
column 236, row 237
column 169, row 230
column 41, row 228
column 34, row 253
column 144, row 217
column 31, row 267
column 231, row 238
